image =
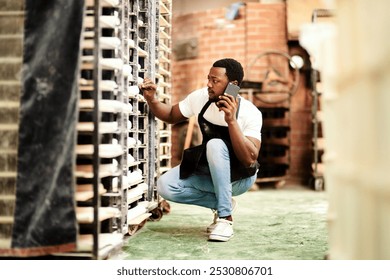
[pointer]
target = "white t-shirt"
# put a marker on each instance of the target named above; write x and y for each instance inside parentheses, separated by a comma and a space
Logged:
(249, 116)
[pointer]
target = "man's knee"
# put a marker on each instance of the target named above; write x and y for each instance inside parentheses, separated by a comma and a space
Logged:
(166, 185)
(161, 186)
(215, 147)
(216, 144)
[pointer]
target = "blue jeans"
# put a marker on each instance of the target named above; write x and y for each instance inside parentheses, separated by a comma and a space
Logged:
(213, 191)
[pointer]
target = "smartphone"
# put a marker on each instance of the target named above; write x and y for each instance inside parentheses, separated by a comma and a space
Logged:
(232, 89)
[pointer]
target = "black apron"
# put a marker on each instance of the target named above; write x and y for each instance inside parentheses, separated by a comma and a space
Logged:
(194, 159)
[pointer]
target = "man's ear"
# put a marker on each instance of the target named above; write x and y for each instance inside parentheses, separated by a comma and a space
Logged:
(235, 82)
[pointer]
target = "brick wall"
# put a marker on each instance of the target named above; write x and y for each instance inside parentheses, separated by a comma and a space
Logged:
(259, 27)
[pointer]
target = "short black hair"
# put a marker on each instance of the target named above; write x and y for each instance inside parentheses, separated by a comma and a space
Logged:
(234, 70)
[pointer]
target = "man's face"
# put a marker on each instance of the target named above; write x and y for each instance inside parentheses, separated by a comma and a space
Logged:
(217, 82)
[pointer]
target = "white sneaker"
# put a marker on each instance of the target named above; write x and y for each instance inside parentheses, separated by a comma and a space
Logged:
(223, 230)
(214, 223)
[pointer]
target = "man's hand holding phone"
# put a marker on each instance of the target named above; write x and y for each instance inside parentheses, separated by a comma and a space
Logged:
(232, 90)
(228, 102)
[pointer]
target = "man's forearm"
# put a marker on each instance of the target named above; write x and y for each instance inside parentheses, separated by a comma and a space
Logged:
(245, 150)
(161, 110)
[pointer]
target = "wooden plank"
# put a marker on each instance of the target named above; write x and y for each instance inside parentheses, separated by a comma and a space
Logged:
(276, 122)
(138, 210)
(106, 105)
(85, 192)
(277, 141)
(6, 219)
(5, 243)
(136, 193)
(320, 143)
(84, 215)
(164, 9)
(270, 179)
(105, 150)
(108, 244)
(103, 3)
(104, 127)
(278, 160)
(139, 219)
(320, 168)
(105, 170)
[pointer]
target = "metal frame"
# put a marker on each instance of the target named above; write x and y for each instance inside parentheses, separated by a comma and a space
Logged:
(96, 135)
(318, 178)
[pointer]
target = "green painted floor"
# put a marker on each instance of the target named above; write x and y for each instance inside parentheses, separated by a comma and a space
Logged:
(270, 224)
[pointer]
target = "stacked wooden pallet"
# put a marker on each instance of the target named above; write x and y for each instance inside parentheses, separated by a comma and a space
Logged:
(11, 45)
(164, 81)
(119, 150)
(109, 91)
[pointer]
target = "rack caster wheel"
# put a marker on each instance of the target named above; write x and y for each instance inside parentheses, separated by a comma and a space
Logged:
(157, 214)
(165, 206)
(132, 229)
(317, 183)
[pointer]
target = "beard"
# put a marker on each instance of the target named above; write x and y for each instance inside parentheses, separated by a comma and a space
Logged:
(213, 98)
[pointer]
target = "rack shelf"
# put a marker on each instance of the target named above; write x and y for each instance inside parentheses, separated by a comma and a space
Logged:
(127, 170)
(120, 148)
(274, 155)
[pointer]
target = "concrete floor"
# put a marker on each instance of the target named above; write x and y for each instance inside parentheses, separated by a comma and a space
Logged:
(270, 224)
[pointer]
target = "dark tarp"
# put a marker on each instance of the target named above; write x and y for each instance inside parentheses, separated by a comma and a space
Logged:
(44, 218)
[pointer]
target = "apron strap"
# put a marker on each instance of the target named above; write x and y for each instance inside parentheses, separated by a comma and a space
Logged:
(238, 109)
(205, 107)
